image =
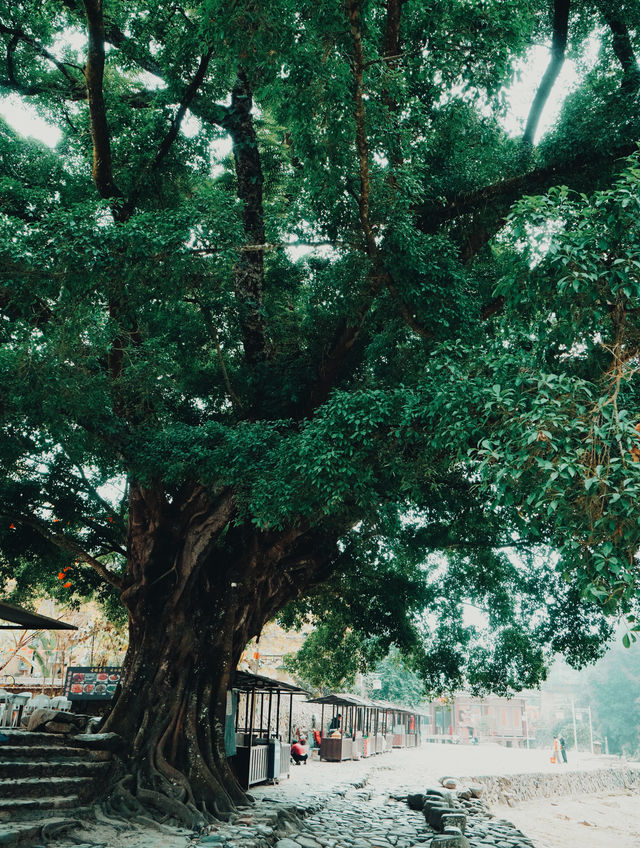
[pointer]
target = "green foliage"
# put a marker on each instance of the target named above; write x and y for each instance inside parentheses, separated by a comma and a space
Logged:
(397, 682)
(613, 690)
(567, 456)
(432, 456)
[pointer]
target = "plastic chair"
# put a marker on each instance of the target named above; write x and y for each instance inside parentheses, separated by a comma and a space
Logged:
(60, 703)
(6, 708)
(36, 702)
(14, 709)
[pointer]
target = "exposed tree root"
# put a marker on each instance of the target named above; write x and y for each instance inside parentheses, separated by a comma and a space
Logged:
(53, 830)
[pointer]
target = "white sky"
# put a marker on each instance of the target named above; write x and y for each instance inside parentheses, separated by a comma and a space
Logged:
(23, 117)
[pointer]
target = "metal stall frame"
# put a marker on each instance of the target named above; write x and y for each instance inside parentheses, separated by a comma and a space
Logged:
(261, 753)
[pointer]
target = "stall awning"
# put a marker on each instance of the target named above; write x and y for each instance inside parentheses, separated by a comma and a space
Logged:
(386, 705)
(244, 681)
(22, 619)
(342, 700)
(345, 700)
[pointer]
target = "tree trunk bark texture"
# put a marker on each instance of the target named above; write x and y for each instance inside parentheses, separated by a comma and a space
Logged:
(194, 598)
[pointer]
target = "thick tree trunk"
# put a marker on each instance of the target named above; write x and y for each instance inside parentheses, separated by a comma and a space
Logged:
(171, 708)
(195, 596)
(185, 639)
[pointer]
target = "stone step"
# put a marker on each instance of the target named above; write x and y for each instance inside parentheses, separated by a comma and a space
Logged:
(29, 788)
(19, 834)
(20, 809)
(37, 829)
(50, 767)
(51, 752)
(44, 740)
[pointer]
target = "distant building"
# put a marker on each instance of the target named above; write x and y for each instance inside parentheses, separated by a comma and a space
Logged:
(492, 719)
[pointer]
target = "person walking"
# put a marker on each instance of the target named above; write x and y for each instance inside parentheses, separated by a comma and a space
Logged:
(563, 748)
(556, 750)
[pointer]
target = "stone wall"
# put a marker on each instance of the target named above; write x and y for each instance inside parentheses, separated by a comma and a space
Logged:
(524, 787)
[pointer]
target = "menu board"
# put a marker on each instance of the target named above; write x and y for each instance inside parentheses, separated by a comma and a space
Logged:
(91, 683)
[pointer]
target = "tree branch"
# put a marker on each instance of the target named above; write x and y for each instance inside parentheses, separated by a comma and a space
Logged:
(379, 277)
(249, 269)
(213, 333)
(622, 47)
(558, 47)
(64, 543)
(94, 74)
(391, 55)
(362, 147)
(502, 195)
(18, 35)
(391, 49)
(407, 314)
(187, 98)
(14, 307)
(202, 107)
(347, 334)
(172, 134)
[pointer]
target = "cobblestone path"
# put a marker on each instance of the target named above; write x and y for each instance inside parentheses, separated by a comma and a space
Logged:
(359, 817)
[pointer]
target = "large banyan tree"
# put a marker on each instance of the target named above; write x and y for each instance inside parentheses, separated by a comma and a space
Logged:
(286, 313)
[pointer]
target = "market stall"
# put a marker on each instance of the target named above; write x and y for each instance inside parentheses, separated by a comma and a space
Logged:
(348, 727)
(402, 725)
(255, 745)
(354, 727)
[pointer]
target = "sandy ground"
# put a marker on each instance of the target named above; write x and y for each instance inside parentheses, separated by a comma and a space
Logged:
(414, 768)
(585, 821)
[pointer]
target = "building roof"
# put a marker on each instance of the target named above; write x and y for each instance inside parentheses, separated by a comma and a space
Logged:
(22, 619)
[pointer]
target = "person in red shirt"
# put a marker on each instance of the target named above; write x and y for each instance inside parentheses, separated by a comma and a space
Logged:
(298, 752)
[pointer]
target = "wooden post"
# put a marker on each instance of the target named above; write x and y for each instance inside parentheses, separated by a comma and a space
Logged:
(290, 716)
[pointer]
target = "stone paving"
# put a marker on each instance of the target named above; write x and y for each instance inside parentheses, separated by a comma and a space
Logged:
(367, 809)
(361, 818)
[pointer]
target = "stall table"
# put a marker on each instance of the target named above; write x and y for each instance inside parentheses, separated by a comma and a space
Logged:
(334, 749)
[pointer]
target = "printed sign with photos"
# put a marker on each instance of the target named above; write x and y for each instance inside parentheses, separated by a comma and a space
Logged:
(91, 683)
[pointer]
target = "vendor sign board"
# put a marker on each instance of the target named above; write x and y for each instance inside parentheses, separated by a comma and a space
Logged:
(91, 683)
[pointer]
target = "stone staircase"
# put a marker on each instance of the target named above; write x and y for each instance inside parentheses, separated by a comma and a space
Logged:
(44, 774)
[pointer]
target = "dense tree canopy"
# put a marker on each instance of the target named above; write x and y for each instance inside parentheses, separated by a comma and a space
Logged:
(328, 364)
